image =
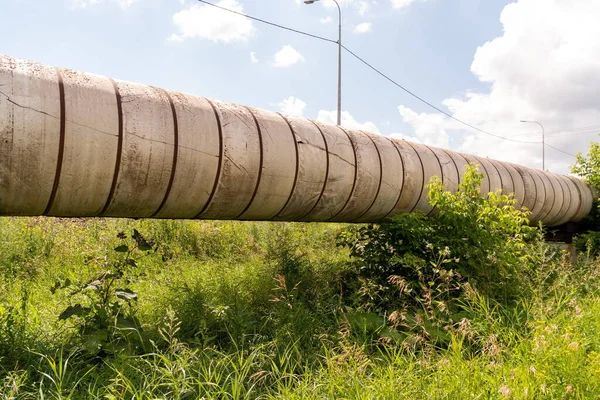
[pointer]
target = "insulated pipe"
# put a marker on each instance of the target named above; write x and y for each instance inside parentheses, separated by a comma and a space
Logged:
(74, 144)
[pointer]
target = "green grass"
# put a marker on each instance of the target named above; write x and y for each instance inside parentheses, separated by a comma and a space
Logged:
(244, 310)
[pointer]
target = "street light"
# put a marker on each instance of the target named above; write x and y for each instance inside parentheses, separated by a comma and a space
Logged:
(543, 143)
(339, 100)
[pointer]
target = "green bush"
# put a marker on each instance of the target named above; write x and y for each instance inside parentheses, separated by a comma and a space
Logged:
(415, 268)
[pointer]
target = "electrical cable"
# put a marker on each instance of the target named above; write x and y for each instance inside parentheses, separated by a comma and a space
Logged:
(270, 23)
(562, 151)
(428, 103)
(582, 128)
(377, 71)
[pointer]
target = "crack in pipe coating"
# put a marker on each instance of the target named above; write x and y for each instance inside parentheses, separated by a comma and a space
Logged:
(535, 217)
(542, 176)
(566, 193)
(297, 166)
(499, 177)
(514, 192)
(422, 176)
(403, 179)
(380, 177)
(219, 164)
(553, 184)
(355, 176)
(326, 171)
(175, 153)
(260, 162)
(455, 167)
(441, 178)
(113, 186)
(579, 195)
(61, 143)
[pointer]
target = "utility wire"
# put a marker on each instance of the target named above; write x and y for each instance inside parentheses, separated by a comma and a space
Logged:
(580, 132)
(428, 103)
(370, 66)
(562, 151)
(582, 128)
(270, 23)
(589, 132)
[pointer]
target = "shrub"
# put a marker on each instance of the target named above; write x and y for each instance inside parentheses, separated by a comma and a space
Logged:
(414, 268)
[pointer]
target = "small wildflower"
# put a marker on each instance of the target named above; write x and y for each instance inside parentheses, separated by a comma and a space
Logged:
(569, 389)
(532, 370)
(122, 235)
(573, 346)
(464, 328)
(505, 391)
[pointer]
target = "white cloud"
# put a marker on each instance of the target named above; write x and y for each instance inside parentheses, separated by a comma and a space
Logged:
(363, 28)
(287, 57)
(402, 4)
(253, 58)
(363, 7)
(331, 3)
(348, 121)
(360, 6)
(292, 106)
(428, 128)
(545, 67)
(88, 3)
(326, 20)
(207, 22)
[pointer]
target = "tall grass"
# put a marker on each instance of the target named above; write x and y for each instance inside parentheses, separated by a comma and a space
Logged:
(244, 310)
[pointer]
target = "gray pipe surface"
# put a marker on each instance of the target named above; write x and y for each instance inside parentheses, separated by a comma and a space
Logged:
(74, 144)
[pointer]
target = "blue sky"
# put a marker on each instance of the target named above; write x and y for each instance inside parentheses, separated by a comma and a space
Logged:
(430, 46)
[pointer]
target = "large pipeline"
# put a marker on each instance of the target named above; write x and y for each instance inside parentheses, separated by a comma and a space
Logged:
(74, 144)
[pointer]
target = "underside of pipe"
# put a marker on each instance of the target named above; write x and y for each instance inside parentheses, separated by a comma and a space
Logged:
(74, 144)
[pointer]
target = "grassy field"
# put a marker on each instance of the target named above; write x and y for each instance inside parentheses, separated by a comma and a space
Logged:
(244, 310)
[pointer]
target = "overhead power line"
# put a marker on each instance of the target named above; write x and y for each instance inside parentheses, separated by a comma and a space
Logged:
(411, 93)
(589, 132)
(581, 128)
(562, 151)
(270, 23)
(428, 103)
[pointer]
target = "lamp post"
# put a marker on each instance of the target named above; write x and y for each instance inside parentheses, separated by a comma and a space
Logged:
(543, 143)
(339, 99)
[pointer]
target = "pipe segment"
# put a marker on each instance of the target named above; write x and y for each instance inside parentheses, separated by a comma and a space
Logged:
(540, 197)
(431, 167)
(549, 203)
(493, 176)
(413, 180)
(391, 179)
(312, 169)
(74, 144)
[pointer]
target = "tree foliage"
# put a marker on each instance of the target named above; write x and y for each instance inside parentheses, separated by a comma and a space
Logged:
(589, 167)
